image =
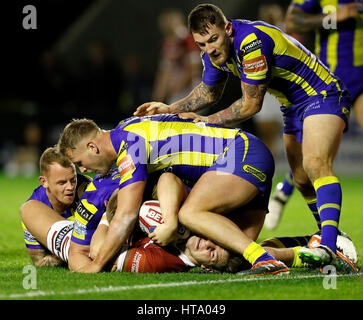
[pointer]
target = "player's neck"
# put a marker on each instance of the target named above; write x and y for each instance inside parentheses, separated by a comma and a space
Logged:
(105, 140)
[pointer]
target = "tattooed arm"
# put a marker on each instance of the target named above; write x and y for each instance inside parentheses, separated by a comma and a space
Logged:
(201, 97)
(42, 258)
(242, 109)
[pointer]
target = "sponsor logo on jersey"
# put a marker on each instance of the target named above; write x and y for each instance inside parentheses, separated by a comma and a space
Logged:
(126, 165)
(79, 228)
(255, 172)
(251, 46)
(255, 65)
(84, 213)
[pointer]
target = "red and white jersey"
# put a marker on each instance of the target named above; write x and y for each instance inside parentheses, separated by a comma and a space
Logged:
(147, 257)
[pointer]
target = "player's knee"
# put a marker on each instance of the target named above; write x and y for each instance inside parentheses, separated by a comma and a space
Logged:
(186, 216)
(302, 182)
(316, 167)
(168, 178)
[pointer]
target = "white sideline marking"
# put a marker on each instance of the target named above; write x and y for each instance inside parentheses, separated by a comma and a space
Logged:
(95, 289)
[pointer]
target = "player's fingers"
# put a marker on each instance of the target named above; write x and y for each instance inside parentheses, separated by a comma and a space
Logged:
(187, 115)
(141, 109)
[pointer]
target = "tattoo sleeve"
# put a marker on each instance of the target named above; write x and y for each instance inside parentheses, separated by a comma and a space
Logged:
(242, 109)
(201, 97)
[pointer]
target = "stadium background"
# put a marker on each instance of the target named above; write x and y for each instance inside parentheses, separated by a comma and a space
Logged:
(34, 92)
(29, 102)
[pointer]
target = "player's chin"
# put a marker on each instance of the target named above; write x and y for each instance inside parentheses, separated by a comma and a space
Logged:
(220, 60)
(68, 198)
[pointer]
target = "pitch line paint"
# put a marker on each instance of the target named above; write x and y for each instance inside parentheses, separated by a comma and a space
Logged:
(95, 289)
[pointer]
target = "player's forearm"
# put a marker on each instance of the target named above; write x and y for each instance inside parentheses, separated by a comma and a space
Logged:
(201, 97)
(234, 114)
(299, 21)
(119, 230)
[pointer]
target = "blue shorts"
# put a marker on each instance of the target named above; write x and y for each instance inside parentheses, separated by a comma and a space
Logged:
(352, 79)
(336, 103)
(248, 157)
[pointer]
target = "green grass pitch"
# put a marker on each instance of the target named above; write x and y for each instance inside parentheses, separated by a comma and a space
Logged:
(60, 284)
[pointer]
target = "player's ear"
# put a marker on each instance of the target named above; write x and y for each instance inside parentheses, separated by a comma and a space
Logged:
(229, 29)
(91, 146)
(43, 181)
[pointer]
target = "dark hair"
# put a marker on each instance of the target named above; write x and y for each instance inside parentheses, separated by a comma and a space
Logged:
(205, 15)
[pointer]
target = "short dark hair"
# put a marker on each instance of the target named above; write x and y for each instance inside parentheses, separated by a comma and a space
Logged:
(205, 15)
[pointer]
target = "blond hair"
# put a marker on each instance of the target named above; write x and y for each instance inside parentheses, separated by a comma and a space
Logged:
(52, 155)
(74, 132)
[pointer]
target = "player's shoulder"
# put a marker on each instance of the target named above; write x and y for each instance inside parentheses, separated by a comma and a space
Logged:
(250, 35)
(125, 122)
(108, 180)
(40, 194)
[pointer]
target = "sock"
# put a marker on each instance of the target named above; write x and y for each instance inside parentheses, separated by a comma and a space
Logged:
(329, 200)
(288, 184)
(289, 242)
(297, 261)
(254, 253)
(311, 202)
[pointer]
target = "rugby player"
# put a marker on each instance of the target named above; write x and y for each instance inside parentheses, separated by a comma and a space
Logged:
(340, 48)
(315, 105)
(231, 169)
(142, 255)
(47, 216)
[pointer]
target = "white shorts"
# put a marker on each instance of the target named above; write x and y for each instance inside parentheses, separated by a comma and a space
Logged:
(59, 238)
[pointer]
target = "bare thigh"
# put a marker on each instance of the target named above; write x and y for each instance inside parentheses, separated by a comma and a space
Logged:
(220, 192)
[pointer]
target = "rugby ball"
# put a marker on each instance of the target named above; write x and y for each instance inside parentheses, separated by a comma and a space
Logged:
(150, 217)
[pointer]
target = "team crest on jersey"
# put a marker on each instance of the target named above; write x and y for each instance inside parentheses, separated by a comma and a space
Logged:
(255, 65)
(255, 172)
(251, 46)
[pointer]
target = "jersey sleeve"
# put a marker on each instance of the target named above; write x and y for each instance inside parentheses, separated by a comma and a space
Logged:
(30, 241)
(255, 55)
(132, 160)
(310, 6)
(212, 74)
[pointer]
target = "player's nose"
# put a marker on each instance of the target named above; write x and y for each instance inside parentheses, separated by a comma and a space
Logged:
(209, 49)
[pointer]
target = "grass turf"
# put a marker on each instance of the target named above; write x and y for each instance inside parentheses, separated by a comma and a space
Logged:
(60, 284)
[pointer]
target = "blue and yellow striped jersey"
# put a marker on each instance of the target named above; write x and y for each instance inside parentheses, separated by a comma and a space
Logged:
(40, 194)
(165, 142)
(338, 46)
(263, 53)
(92, 205)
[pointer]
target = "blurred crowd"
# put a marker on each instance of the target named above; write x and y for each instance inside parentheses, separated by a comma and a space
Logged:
(106, 90)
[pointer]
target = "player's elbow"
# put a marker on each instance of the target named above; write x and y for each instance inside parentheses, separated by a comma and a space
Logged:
(251, 107)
